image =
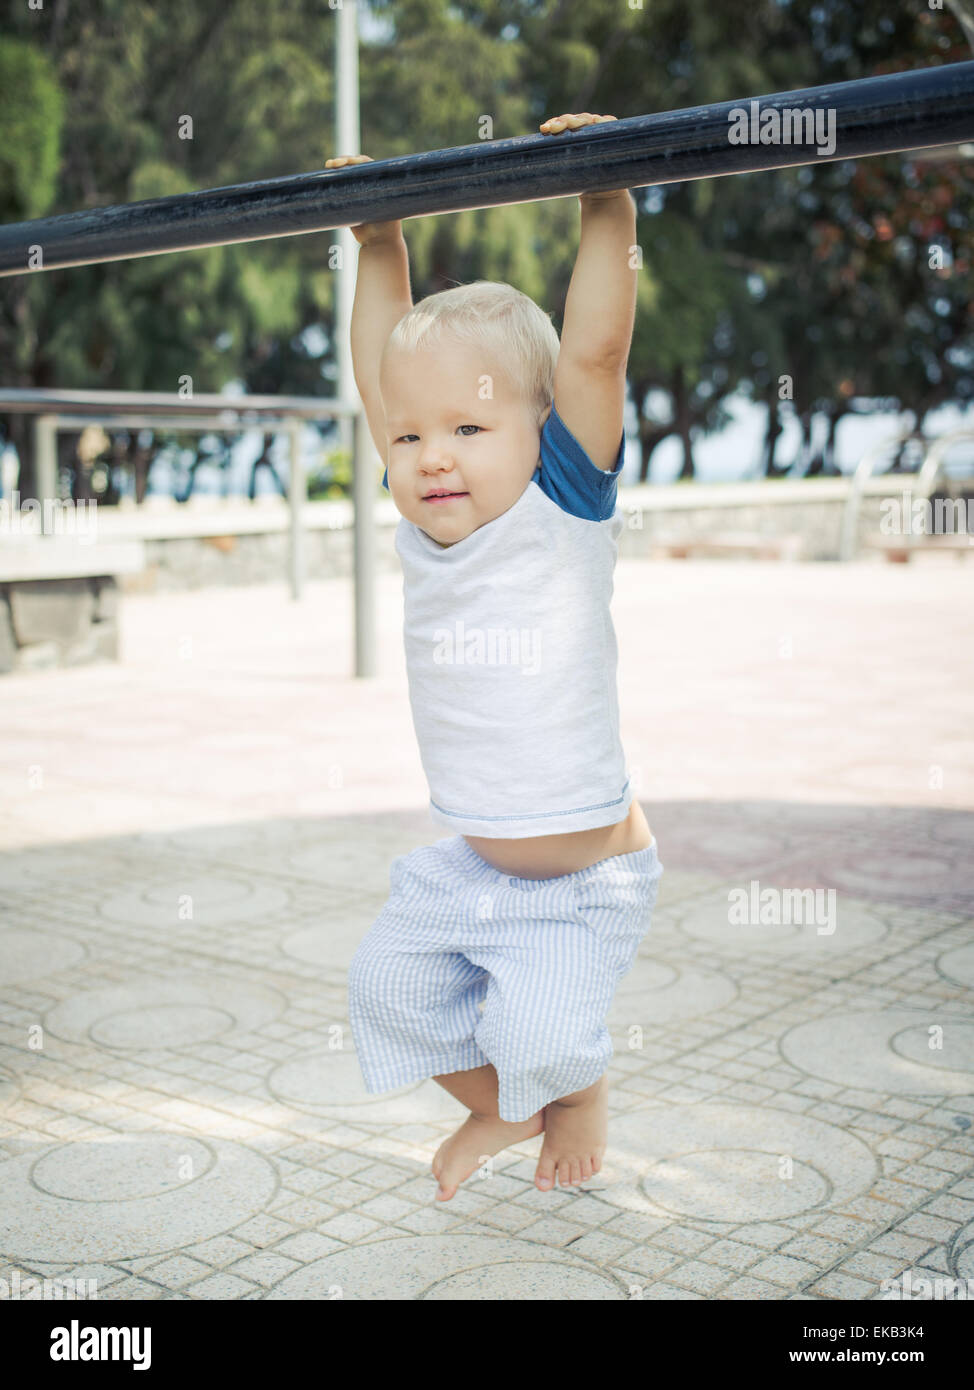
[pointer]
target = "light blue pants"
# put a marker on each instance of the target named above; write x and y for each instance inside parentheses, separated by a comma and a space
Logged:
(465, 966)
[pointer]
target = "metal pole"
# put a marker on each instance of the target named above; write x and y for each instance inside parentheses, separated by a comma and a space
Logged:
(297, 495)
(45, 464)
(347, 138)
(363, 505)
(872, 115)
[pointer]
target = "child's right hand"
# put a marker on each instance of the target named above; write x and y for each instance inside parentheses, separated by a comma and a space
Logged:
(366, 231)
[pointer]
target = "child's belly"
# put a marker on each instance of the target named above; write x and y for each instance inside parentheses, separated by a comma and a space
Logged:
(548, 856)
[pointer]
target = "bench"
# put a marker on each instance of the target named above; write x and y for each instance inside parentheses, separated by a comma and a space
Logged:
(898, 549)
(59, 599)
(780, 547)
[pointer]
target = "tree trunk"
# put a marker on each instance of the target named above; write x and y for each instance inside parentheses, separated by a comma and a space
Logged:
(773, 433)
(681, 405)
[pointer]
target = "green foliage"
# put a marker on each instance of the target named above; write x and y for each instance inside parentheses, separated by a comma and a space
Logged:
(821, 274)
(31, 116)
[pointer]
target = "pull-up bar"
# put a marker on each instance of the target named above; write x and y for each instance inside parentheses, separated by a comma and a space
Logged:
(873, 115)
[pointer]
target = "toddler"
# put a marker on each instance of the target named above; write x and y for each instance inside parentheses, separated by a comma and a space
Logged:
(493, 964)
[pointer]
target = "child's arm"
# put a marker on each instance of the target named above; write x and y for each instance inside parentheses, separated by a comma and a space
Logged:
(382, 296)
(600, 312)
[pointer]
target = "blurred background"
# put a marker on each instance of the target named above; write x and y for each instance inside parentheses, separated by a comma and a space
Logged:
(850, 279)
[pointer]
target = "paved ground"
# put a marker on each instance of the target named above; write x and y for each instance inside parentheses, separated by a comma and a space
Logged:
(195, 840)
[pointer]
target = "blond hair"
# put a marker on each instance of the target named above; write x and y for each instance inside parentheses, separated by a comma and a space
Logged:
(498, 319)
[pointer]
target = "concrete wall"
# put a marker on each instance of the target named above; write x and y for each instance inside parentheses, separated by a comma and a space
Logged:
(176, 558)
(67, 620)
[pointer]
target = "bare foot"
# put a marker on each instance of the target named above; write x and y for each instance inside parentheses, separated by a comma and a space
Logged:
(575, 1135)
(477, 1139)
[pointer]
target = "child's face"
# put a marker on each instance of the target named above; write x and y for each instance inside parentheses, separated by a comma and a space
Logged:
(443, 436)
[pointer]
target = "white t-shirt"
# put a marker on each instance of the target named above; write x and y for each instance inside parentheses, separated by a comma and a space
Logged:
(511, 656)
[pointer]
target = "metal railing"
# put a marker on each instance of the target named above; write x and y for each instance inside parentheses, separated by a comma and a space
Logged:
(54, 409)
(848, 543)
(922, 482)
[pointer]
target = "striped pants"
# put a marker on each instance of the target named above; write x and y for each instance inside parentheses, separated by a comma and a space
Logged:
(465, 966)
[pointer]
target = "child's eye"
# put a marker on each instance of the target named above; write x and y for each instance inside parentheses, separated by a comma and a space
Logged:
(469, 427)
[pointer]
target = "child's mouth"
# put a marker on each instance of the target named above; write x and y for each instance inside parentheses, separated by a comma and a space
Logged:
(446, 497)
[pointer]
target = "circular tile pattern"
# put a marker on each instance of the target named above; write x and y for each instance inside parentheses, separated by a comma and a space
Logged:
(728, 1163)
(160, 1025)
(216, 901)
(856, 1048)
(954, 1049)
(653, 994)
(128, 1196)
(331, 943)
(718, 1184)
(449, 1267)
(30, 955)
(330, 1083)
(954, 827)
(708, 920)
(165, 1011)
(346, 863)
(958, 965)
(717, 842)
(140, 1167)
(881, 876)
(961, 1254)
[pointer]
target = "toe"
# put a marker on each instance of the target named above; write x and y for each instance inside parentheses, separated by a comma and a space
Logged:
(576, 1172)
(544, 1176)
(586, 1168)
(444, 1193)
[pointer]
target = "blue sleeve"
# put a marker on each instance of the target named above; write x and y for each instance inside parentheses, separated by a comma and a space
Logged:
(568, 476)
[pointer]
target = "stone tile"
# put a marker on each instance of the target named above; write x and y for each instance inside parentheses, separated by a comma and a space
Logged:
(177, 1271)
(667, 1292)
(733, 1254)
(220, 1286)
(837, 1285)
(265, 1268)
(550, 1230)
(348, 1227)
(766, 1235)
(699, 1277)
(783, 1269)
(748, 1288)
(306, 1247)
(922, 1224)
(220, 1251)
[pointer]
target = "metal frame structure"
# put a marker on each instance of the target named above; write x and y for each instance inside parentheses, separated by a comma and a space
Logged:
(922, 482)
(924, 109)
(54, 409)
(873, 115)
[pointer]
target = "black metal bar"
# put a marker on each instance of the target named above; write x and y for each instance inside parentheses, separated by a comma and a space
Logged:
(873, 115)
(48, 401)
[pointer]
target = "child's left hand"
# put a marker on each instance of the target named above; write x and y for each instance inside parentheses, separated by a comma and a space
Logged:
(574, 121)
